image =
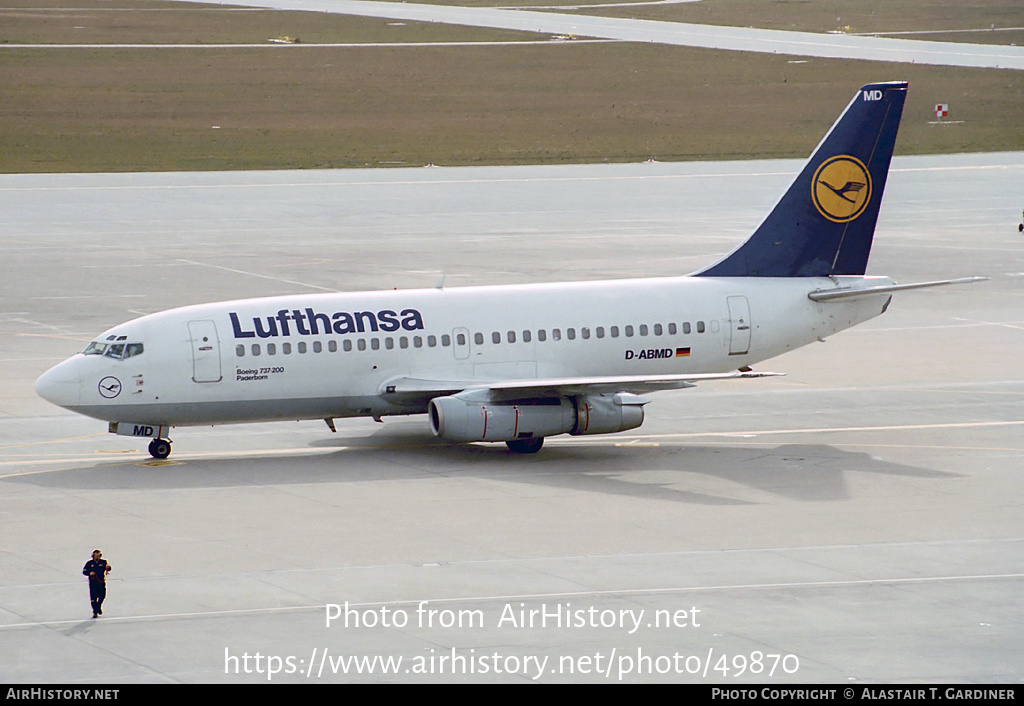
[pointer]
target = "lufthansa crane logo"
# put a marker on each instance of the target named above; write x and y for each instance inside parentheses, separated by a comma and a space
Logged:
(841, 188)
(110, 387)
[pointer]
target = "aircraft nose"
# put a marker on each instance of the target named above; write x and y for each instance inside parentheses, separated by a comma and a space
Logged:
(61, 385)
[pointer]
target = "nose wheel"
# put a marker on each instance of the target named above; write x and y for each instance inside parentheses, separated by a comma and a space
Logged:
(160, 448)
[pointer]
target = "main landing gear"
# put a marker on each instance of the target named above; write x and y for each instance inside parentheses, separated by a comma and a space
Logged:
(525, 446)
(160, 448)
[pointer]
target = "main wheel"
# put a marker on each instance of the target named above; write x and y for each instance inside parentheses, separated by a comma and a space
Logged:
(159, 448)
(525, 446)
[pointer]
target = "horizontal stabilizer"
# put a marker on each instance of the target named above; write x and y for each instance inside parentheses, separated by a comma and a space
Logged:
(853, 292)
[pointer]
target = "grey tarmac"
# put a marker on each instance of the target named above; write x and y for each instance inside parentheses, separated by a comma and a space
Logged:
(857, 520)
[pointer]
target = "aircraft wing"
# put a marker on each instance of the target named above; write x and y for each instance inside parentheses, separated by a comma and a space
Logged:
(413, 388)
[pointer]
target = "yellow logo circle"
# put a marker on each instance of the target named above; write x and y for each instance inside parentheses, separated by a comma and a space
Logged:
(841, 188)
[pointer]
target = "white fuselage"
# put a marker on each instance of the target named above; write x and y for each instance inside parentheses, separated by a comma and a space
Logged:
(333, 355)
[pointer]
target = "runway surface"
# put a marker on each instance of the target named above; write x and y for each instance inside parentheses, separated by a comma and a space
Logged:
(677, 33)
(855, 521)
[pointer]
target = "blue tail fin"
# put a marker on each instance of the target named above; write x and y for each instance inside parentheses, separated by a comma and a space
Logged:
(824, 223)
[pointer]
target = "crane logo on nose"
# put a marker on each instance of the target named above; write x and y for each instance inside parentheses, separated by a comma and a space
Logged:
(110, 387)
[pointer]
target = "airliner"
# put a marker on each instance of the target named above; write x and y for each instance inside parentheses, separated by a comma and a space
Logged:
(514, 364)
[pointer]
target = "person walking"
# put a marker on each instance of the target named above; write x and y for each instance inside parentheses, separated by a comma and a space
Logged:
(97, 569)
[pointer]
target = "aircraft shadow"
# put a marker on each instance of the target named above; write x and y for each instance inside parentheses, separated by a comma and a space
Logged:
(701, 474)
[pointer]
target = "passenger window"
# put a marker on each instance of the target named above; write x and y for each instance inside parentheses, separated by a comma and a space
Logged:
(256, 349)
(318, 347)
(657, 329)
(332, 346)
(542, 335)
(686, 327)
(286, 348)
(271, 349)
(417, 341)
(302, 346)
(347, 345)
(403, 341)
(478, 338)
(570, 333)
(239, 351)
(629, 332)
(600, 331)
(585, 332)
(495, 337)
(511, 336)
(672, 329)
(361, 344)
(556, 334)
(460, 339)
(615, 331)
(526, 337)
(432, 341)
(375, 344)
(389, 343)
(643, 329)
(700, 327)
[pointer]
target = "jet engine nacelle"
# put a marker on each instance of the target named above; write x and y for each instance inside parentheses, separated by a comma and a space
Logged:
(607, 414)
(464, 418)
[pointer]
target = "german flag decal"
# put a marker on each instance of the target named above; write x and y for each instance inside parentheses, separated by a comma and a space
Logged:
(682, 352)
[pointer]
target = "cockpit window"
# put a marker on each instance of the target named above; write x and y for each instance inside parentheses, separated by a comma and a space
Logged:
(118, 351)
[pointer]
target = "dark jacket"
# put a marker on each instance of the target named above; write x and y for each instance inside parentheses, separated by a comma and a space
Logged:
(99, 567)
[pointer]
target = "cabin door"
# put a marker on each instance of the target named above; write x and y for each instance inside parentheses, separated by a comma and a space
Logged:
(205, 351)
(739, 317)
